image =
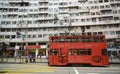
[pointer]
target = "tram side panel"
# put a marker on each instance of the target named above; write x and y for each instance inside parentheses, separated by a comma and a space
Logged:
(78, 54)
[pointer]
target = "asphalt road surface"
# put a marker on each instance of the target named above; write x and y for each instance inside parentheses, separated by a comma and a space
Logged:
(43, 68)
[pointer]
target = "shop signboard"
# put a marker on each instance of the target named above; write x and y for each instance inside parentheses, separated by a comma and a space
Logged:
(32, 47)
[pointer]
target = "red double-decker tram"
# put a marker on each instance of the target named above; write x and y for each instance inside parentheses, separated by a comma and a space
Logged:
(64, 50)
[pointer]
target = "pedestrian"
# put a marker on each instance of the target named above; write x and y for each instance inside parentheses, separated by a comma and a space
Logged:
(119, 57)
(33, 58)
(37, 55)
(30, 58)
(40, 55)
(111, 57)
(26, 60)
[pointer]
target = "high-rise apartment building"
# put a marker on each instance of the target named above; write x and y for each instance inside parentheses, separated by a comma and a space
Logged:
(29, 23)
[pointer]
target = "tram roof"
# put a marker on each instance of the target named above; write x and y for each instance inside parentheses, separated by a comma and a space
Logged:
(74, 36)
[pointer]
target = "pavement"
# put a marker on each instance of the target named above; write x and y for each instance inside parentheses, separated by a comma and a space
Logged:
(22, 60)
(43, 60)
(114, 61)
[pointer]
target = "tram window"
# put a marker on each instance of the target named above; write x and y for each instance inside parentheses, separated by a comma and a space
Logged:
(91, 39)
(74, 39)
(89, 52)
(52, 40)
(102, 39)
(75, 52)
(82, 39)
(62, 39)
(86, 39)
(55, 52)
(70, 52)
(82, 52)
(68, 40)
(50, 52)
(96, 39)
(55, 40)
(104, 51)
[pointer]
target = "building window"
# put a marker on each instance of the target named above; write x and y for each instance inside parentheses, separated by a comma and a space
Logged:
(44, 35)
(18, 36)
(88, 20)
(87, 27)
(101, 6)
(42, 43)
(50, 4)
(107, 6)
(94, 33)
(34, 36)
(105, 0)
(82, 20)
(115, 11)
(112, 32)
(111, 0)
(105, 33)
(116, 18)
(7, 36)
(117, 32)
(40, 36)
(100, 33)
(116, 25)
(100, 1)
(2, 30)
(92, 13)
(89, 33)
(110, 26)
(14, 22)
(93, 19)
(29, 29)
(29, 36)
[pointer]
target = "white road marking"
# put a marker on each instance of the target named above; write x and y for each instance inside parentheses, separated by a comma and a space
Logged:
(76, 70)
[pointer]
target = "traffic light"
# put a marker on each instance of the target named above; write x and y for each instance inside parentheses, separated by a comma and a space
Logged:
(4, 46)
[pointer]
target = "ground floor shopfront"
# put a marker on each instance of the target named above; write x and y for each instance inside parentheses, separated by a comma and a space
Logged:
(38, 53)
(114, 53)
(39, 50)
(9, 52)
(32, 50)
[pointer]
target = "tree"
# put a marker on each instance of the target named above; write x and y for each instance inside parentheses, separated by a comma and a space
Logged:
(4, 47)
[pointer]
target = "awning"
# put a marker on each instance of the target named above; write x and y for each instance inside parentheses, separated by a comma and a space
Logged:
(10, 48)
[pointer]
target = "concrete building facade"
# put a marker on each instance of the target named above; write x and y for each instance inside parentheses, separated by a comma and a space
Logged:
(31, 22)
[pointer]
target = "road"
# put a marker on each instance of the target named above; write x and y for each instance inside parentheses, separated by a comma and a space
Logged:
(43, 68)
